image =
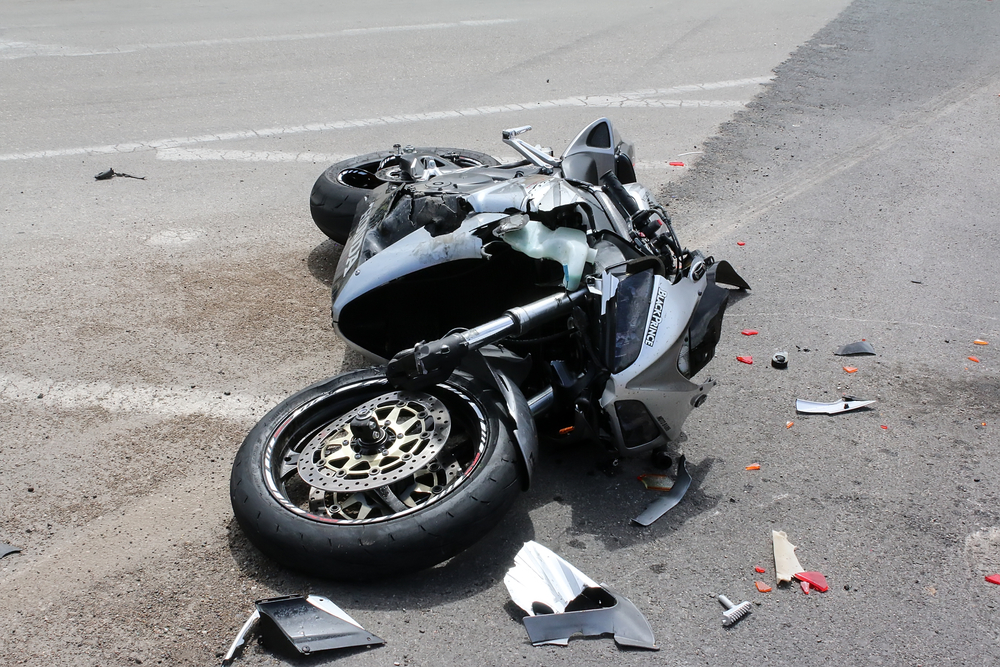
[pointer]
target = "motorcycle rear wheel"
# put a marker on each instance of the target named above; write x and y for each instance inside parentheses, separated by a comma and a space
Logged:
(339, 189)
(446, 472)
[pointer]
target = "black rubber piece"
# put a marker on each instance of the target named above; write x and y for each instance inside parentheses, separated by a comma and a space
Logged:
(421, 539)
(343, 185)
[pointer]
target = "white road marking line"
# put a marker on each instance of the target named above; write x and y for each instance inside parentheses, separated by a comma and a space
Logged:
(199, 154)
(629, 99)
(10, 50)
(167, 401)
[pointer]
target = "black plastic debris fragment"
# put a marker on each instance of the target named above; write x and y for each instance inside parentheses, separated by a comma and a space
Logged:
(663, 504)
(562, 601)
(780, 360)
(6, 550)
(851, 349)
(310, 624)
(847, 404)
(111, 173)
(594, 612)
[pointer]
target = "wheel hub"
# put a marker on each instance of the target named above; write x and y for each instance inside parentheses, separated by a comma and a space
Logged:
(377, 443)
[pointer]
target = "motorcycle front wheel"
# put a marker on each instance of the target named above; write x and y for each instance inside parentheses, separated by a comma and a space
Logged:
(352, 479)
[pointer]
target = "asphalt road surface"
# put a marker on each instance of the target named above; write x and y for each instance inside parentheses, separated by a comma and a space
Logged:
(146, 324)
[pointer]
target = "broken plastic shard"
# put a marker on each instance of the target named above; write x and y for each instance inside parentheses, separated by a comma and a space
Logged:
(811, 407)
(676, 164)
(6, 550)
(814, 579)
(310, 624)
(749, 332)
(980, 342)
(656, 482)
(850, 369)
(789, 424)
(760, 570)
(805, 587)
(745, 359)
(753, 466)
(741, 243)
(993, 578)
(562, 601)
(762, 587)
(975, 359)
(861, 347)
(661, 506)
(786, 565)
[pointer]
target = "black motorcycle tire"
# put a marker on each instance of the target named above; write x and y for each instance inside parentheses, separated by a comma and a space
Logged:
(483, 479)
(343, 185)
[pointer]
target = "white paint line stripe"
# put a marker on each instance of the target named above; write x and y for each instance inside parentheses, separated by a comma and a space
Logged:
(168, 401)
(204, 154)
(10, 50)
(211, 154)
(632, 99)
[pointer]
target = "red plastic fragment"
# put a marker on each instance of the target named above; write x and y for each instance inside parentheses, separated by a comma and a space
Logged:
(740, 243)
(745, 360)
(884, 427)
(762, 587)
(805, 587)
(993, 578)
(814, 579)
(760, 570)
(975, 359)
(850, 369)
(753, 466)
(676, 164)
(749, 332)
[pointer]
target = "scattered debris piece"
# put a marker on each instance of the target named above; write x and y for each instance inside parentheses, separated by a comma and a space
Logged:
(846, 405)
(850, 369)
(762, 587)
(562, 601)
(111, 173)
(6, 550)
(814, 579)
(655, 482)
(789, 424)
(852, 349)
(741, 243)
(975, 359)
(733, 612)
(662, 505)
(805, 587)
(676, 164)
(753, 466)
(760, 570)
(749, 332)
(312, 623)
(780, 360)
(993, 578)
(786, 565)
(884, 427)
(980, 342)
(745, 359)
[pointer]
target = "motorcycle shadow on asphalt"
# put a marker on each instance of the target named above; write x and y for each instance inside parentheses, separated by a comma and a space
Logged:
(572, 506)
(322, 261)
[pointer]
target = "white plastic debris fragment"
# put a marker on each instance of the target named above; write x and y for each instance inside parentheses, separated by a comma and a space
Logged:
(540, 576)
(786, 564)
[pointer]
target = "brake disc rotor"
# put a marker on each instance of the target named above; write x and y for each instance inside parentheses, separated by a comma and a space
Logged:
(343, 458)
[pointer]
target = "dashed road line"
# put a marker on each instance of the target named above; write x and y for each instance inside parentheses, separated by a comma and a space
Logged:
(11, 50)
(654, 98)
(135, 398)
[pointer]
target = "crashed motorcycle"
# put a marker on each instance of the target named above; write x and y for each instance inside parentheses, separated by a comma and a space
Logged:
(544, 299)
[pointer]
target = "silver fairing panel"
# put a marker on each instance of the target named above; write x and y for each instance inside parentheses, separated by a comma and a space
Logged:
(654, 378)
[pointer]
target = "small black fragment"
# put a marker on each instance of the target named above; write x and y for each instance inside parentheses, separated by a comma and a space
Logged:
(111, 173)
(6, 550)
